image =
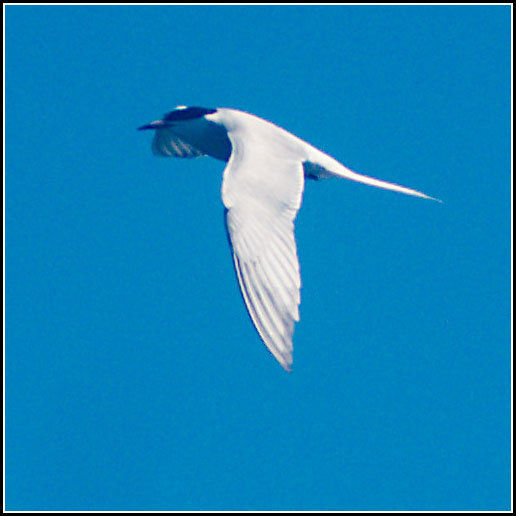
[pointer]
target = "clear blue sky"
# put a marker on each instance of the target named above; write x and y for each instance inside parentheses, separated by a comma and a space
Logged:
(134, 378)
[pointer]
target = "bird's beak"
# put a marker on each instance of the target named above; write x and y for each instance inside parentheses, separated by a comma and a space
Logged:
(153, 125)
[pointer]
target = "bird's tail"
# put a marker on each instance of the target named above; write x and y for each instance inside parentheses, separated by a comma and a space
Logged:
(326, 166)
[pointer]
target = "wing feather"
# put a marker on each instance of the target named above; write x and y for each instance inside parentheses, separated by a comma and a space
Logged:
(259, 317)
(167, 143)
(262, 195)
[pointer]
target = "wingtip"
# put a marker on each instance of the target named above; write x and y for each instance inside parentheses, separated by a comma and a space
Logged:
(286, 363)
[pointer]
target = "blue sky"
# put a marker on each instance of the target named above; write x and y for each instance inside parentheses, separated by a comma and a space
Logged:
(134, 378)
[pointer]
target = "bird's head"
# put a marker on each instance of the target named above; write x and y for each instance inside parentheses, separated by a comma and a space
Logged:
(177, 115)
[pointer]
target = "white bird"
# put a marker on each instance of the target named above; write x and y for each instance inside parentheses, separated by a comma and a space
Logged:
(261, 190)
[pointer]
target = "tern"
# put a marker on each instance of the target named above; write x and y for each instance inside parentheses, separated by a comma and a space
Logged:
(262, 187)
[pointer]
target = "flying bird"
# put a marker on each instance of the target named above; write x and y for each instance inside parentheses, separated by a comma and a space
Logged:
(262, 188)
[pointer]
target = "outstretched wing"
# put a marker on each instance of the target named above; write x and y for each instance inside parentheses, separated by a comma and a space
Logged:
(167, 143)
(262, 194)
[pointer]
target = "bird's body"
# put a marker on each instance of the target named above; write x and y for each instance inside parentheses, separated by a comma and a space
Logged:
(261, 190)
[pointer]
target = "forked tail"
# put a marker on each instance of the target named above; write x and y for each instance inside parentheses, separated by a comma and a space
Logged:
(326, 166)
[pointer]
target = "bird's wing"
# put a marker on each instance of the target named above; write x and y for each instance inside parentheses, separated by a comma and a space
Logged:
(262, 194)
(167, 143)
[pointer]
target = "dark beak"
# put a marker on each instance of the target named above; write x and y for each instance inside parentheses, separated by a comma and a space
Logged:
(153, 125)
